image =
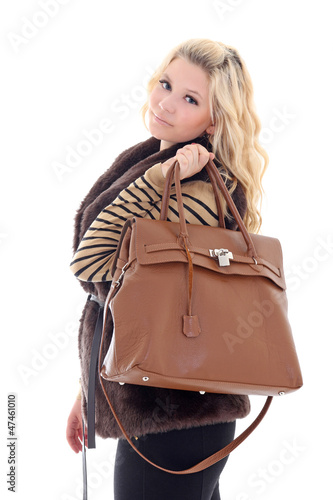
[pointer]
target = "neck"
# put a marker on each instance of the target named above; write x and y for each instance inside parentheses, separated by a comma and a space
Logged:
(166, 144)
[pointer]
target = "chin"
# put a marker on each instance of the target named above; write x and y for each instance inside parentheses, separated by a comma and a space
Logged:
(158, 134)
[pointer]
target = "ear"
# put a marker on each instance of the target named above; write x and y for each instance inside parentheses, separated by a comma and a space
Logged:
(210, 130)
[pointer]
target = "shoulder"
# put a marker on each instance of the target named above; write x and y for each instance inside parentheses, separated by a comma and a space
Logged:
(103, 192)
(102, 184)
(105, 180)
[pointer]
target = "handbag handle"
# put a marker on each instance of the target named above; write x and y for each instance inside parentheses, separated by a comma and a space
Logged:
(167, 189)
(217, 184)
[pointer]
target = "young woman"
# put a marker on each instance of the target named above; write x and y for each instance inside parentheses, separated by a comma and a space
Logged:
(200, 106)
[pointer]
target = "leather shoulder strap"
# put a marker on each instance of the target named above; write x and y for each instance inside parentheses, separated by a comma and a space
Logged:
(212, 459)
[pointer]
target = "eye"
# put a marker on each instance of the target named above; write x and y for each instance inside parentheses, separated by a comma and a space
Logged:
(191, 100)
(165, 84)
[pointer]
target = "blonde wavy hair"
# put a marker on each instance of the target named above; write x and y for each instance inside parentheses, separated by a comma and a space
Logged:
(235, 140)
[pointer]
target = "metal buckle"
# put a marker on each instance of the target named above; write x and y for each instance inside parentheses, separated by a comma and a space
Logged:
(118, 281)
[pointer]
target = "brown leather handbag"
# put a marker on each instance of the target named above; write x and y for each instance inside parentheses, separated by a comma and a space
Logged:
(199, 308)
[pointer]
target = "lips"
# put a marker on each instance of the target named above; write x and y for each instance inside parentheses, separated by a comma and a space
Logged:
(160, 120)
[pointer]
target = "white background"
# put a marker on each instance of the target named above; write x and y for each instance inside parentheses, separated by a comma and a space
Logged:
(62, 73)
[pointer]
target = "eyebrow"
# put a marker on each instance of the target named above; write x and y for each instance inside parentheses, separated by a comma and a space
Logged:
(187, 90)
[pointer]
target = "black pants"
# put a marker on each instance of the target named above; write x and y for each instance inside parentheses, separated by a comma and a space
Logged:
(135, 479)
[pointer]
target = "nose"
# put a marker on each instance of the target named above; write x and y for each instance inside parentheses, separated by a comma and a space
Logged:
(167, 104)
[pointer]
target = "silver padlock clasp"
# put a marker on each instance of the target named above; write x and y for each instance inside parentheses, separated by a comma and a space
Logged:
(222, 255)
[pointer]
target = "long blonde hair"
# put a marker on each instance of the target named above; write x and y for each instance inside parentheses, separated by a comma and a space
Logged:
(235, 140)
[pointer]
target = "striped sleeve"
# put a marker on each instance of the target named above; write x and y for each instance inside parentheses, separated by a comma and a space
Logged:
(94, 256)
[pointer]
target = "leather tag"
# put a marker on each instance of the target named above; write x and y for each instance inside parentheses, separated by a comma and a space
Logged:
(191, 327)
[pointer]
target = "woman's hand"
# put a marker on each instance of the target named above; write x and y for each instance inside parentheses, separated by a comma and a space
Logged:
(192, 158)
(74, 427)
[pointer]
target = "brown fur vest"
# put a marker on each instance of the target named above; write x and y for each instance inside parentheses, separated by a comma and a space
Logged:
(142, 410)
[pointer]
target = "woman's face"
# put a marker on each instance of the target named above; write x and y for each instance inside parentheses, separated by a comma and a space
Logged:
(179, 105)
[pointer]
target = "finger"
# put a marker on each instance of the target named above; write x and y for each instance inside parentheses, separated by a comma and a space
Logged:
(193, 148)
(190, 154)
(194, 151)
(74, 434)
(185, 153)
(202, 150)
(188, 161)
(183, 161)
(74, 442)
(204, 156)
(200, 155)
(166, 165)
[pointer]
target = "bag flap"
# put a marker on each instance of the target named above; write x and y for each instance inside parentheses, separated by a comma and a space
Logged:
(158, 242)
